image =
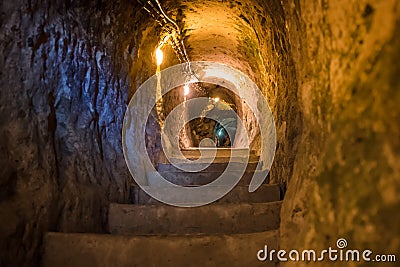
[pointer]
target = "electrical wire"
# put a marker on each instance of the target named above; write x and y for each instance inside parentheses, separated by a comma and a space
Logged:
(171, 27)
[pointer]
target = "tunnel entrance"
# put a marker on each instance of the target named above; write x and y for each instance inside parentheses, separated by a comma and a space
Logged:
(210, 129)
(225, 96)
(176, 102)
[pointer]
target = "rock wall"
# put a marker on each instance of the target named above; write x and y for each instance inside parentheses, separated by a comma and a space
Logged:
(64, 90)
(345, 182)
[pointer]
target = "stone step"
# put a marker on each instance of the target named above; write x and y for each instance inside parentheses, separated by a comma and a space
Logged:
(239, 194)
(213, 167)
(199, 178)
(195, 152)
(209, 219)
(82, 250)
(220, 159)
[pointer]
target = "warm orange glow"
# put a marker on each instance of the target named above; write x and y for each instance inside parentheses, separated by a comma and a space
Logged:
(186, 90)
(159, 56)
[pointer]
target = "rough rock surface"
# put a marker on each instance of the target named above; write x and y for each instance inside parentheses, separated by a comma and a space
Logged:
(346, 174)
(64, 89)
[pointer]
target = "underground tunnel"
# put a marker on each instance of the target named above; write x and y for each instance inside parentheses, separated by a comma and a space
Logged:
(327, 69)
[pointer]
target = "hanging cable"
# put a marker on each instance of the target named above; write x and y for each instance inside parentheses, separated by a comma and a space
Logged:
(171, 27)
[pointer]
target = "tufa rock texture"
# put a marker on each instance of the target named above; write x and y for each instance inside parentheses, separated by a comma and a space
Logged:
(345, 182)
(64, 89)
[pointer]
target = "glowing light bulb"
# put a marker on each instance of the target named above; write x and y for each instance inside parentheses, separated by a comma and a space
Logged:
(186, 90)
(159, 56)
(216, 99)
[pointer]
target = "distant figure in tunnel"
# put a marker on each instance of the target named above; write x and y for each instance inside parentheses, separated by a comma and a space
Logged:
(222, 130)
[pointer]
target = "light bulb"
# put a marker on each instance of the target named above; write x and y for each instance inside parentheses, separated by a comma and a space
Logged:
(159, 56)
(216, 99)
(186, 90)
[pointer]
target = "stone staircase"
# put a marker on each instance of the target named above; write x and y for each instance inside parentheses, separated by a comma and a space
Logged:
(147, 233)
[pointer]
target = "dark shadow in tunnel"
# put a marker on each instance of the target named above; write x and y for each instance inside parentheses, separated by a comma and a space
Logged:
(220, 122)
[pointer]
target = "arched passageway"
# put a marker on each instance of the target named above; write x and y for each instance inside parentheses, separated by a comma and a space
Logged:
(329, 71)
